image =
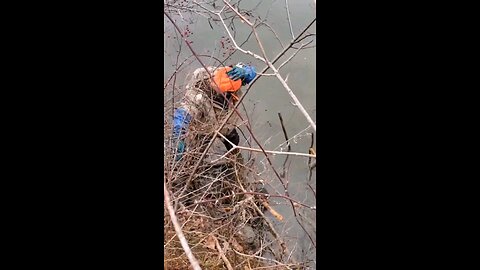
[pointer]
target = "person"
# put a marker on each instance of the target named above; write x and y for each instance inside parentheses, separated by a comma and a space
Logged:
(209, 97)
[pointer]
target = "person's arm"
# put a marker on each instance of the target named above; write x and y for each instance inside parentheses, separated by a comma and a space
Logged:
(244, 72)
(181, 122)
(189, 109)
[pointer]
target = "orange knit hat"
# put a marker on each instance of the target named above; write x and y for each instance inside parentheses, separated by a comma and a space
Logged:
(225, 84)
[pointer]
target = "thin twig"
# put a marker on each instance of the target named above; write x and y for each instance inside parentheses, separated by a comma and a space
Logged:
(293, 55)
(289, 21)
(286, 140)
(284, 51)
(225, 260)
(310, 160)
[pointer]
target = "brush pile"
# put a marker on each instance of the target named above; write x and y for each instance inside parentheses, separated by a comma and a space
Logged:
(220, 204)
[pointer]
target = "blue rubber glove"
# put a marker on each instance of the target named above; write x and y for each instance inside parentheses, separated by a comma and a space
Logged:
(180, 150)
(244, 72)
(181, 121)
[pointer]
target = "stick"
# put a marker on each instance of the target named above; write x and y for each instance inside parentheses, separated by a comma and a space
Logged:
(288, 144)
(310, 160)
(272, 211)
(225, 260)
(178, 230)
(289, 21)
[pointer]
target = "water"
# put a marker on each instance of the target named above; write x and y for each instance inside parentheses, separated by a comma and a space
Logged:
(267, 97)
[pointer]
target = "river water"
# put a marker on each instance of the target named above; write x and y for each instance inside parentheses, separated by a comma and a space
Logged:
(267, 98)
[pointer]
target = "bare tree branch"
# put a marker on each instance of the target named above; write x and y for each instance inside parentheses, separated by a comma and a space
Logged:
(289, 21)
(265, 60)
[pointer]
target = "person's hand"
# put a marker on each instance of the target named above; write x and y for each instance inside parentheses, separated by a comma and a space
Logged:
(180, 149)
(244, 72)
(181, 121)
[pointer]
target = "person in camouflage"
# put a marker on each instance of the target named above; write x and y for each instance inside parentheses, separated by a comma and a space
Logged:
(209, 97)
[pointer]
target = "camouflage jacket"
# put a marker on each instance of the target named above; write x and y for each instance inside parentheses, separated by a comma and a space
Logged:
(207, 107)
